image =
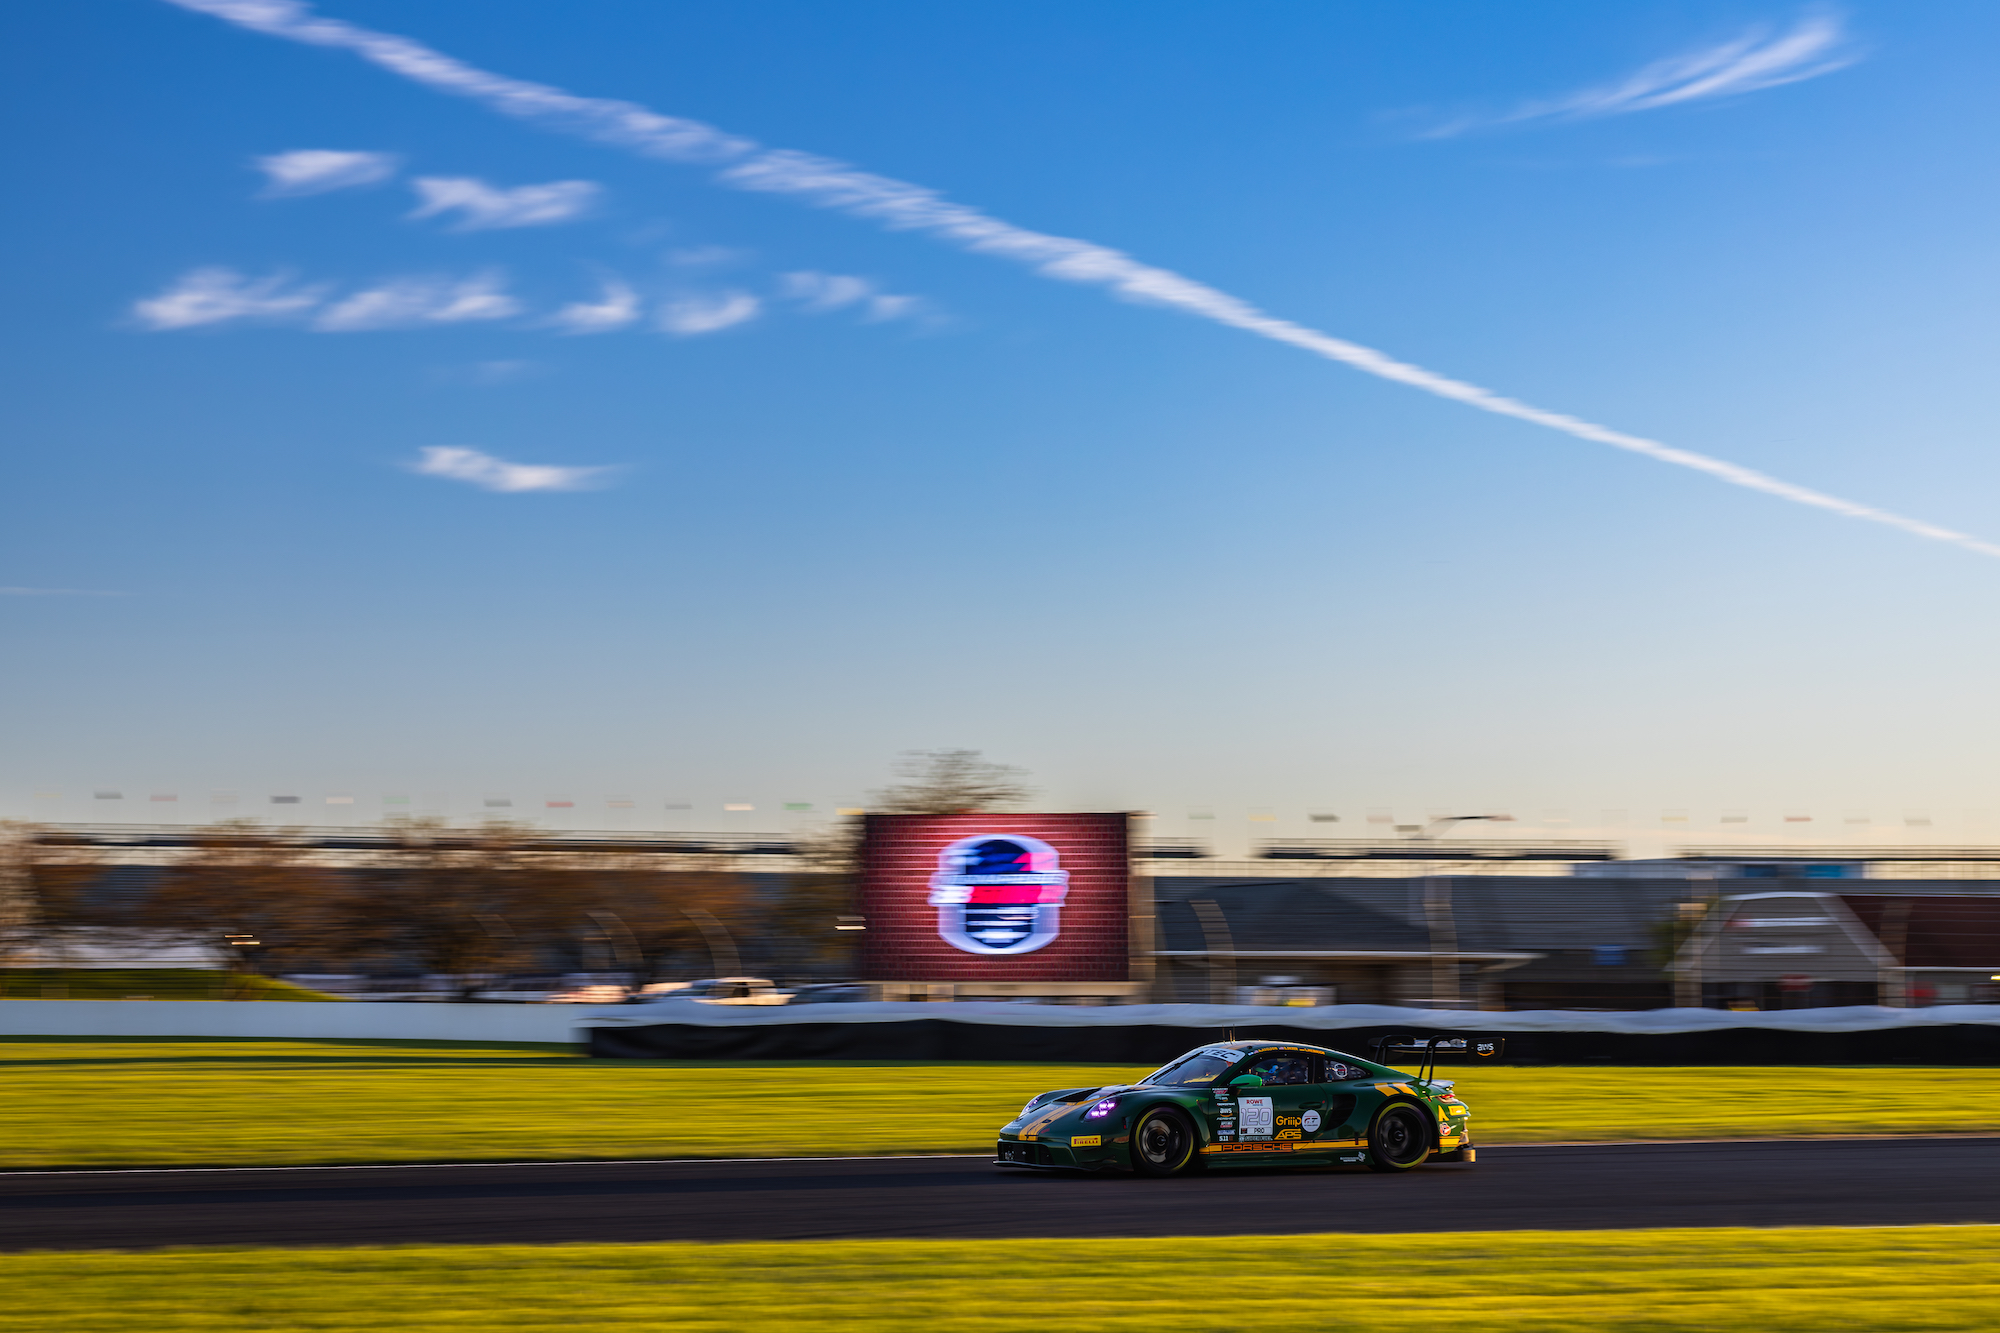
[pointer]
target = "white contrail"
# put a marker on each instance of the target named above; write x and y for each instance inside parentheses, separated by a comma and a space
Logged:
(1749, 63)
(904, 207)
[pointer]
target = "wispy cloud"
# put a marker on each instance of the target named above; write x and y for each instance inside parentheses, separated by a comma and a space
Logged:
(483, 207)
(497, 474)
(405, 303)
(692, 316)
(1755, 59)
(901, 206)
(58, 592)
(211, 296)
(317, 170)
(616, 308)
(223, 296)
(821, 293)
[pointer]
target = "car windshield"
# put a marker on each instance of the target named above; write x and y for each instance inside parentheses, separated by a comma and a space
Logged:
(1200, 1067)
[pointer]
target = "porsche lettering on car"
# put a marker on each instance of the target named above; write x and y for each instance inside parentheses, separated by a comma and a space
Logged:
(1245, 1103)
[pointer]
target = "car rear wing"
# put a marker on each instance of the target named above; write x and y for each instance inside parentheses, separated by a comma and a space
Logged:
(1432, 1047)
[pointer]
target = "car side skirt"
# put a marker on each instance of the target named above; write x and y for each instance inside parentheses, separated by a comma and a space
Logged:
(1284, 1147)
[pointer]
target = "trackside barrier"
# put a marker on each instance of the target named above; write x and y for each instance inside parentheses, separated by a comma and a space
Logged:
(1150, 1034)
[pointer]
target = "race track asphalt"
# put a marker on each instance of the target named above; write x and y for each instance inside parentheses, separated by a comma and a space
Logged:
(1842, 1182)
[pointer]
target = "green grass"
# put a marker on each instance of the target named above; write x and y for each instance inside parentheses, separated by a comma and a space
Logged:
(1725, 1280)
(180, 1102)
(229, 1102)
(1523, 1105)
(149, 983)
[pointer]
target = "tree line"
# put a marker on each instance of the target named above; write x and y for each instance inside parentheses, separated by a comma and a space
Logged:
(470, 903)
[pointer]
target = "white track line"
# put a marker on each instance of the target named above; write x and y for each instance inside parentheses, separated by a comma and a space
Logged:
(1774, 1138)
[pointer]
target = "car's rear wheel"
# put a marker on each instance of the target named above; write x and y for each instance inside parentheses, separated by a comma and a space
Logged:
(1163, 1143)
(1399, 1139)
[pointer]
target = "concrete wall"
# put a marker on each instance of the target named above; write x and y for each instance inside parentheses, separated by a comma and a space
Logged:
(300, 1021)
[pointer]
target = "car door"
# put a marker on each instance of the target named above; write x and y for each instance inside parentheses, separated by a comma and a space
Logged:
(1277, 1114)
(1331, 1108)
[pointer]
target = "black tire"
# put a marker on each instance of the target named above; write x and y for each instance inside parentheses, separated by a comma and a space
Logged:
(1399, 1139)
(1164, 1143)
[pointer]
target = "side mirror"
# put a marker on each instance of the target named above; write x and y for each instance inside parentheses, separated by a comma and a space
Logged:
(1246, 1081)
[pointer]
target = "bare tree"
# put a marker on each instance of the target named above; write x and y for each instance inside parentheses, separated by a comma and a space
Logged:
(643, 919)
(252, 893)
(952, 782)
(45, 882)
(817, 912)
(462, 903)
(19, 919)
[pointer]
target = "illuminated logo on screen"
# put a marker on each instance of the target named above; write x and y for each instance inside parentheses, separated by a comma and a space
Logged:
(999, 893)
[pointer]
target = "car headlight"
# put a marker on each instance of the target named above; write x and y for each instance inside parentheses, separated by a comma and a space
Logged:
(1102, 1109)
(1029, 1107)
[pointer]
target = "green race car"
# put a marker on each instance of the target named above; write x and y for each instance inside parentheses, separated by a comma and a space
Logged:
(1249, 1103)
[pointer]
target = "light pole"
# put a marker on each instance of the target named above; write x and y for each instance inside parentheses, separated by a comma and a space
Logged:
(240, 946)
(1445, 991)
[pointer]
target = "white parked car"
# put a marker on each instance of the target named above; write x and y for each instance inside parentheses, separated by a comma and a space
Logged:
(602, 994)
(714, 990)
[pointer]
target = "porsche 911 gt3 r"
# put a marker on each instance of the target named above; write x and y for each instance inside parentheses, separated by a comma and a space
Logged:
(1249, 1103)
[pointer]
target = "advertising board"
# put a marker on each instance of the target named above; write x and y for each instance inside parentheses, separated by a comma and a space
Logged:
(996, 898)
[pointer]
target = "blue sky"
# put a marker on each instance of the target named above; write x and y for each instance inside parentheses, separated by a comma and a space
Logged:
(805, 491)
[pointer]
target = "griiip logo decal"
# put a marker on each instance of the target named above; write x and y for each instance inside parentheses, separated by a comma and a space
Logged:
(999, 893)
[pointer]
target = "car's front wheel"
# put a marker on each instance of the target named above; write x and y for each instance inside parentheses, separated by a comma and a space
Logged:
(1399, 1139)
(1163, 1143)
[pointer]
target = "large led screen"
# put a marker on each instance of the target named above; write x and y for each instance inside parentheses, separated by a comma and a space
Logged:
(996, 897)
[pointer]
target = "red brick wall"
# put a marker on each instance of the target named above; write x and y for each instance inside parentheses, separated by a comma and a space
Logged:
(900, 855)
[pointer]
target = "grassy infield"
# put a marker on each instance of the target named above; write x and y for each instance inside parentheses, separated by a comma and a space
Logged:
(1853, 1280)
(132, 1103)
(135, 1103)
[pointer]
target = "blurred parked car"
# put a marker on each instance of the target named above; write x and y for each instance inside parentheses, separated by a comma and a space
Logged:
(714, 990)
(600, 994)
(842, 992)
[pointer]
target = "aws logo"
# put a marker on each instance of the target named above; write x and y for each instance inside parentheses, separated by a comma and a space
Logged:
(999, 893)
